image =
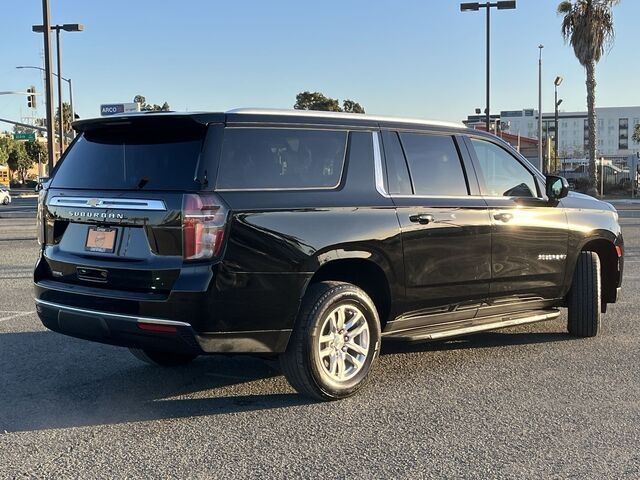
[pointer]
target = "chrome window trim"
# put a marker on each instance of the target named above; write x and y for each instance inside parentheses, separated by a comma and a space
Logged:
(108, 203)
(134, 318)
(377, 162)
(453, 197)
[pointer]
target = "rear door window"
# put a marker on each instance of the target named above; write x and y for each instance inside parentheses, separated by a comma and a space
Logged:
(434, 164)
(281, 158)
(132, 157)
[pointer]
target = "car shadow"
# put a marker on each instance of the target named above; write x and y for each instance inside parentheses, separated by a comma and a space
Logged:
(51, 381)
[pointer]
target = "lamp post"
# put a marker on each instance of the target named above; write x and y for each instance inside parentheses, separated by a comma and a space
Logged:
(68, 80)
(46, 26)
(474, 7)
(540, 161)
(67, 27)
(557, 103)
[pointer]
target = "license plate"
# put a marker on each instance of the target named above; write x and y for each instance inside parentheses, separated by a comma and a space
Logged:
(101, 240)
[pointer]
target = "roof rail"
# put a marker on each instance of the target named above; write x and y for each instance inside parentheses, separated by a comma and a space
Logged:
(342, 115)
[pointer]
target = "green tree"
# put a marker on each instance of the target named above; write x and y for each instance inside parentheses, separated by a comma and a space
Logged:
(21, 129)
(352, 107)
(66, 118)
(588, 26)
(636, 133)
(36, 151)
(147, 107)
(6, 144)
(318, 101)
(19, 161)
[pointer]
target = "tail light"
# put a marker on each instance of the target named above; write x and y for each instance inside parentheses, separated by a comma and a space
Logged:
(40, 220)
(203, 223)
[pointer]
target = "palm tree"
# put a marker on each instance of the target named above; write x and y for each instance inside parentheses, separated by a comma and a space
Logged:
(588, 26)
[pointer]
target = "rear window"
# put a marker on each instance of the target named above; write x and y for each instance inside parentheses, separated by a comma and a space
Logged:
(132, 157)
(434, 164)
(272, 158)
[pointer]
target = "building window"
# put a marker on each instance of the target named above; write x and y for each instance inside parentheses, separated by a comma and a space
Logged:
(623, 134)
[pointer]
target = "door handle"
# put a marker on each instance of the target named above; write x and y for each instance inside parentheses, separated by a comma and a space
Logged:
(423, 218)
(503, 217)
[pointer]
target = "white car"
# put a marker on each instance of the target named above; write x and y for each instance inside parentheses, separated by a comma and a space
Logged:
(5, 198)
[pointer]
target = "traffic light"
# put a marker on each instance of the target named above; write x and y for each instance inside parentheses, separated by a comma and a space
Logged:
(31, 98)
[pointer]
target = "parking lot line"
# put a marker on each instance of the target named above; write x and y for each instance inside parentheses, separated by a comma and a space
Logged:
(15, 314)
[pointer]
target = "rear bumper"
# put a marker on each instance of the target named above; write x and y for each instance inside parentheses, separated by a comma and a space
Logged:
(155, 333)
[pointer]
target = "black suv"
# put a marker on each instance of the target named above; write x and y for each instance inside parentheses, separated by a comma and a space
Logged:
(310, 236)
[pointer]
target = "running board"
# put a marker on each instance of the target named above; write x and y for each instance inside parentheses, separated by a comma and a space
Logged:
(437, 332)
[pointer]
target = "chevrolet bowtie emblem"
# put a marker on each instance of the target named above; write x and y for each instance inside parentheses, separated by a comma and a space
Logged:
(93, 202)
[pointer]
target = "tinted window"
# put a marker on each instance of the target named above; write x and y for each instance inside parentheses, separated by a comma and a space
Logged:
(434, 164)
(397, 174)
(259, 158)
(128, 157)
(504, 175)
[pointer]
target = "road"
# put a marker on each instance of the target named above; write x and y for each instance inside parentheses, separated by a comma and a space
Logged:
(526, 402)
(19, 208)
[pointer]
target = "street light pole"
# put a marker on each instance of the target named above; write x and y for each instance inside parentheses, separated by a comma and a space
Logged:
(73, 112)
(68, 27)
(475, 6)
(46, 24)
(557, 103)
(540, 160)
(60, 115)
(487, 112)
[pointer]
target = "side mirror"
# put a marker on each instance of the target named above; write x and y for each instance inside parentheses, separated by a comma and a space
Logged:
(41, 183)
(557, 187)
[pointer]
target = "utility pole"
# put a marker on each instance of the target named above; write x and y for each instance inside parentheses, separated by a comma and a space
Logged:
(46, 23)
(68, 27)
(540, 161)
(488, 93)
(60, 112)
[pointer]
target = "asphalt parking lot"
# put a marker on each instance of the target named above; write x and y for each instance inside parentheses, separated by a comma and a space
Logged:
(526, 402)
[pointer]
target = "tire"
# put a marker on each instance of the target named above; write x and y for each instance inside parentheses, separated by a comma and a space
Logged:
(5, 201)
(584, 297)
(322, 361)
(162, 359)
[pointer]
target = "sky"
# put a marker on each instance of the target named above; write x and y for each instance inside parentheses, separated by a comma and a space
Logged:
(417, 58)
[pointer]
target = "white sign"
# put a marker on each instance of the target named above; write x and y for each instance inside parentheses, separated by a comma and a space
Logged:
(115, 108)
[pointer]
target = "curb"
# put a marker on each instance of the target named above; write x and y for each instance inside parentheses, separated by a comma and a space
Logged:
(23, 195)
(623, 201)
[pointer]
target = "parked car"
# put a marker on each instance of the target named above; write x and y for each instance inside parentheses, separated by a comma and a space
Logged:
(310, 236)
(5, 197)
(25, 184)
(613, 175)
